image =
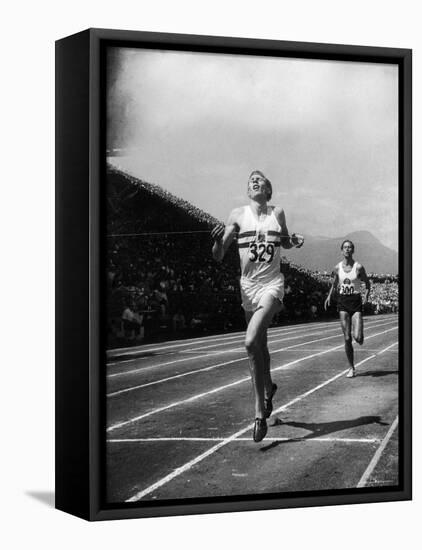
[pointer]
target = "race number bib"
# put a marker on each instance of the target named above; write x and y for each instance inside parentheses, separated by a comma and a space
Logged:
(261, 252)
(347, 287)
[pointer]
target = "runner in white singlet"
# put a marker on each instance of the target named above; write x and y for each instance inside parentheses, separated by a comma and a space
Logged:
(348, 278)
(259, 250)
(261, 230)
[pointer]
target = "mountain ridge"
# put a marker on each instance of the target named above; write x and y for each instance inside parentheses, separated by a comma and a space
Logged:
(323, 253)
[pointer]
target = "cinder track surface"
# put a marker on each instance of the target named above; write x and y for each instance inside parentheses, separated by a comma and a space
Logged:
(179, 415)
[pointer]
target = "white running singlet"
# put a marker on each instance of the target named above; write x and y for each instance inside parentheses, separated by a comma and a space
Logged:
(259, 246)
(349, 283)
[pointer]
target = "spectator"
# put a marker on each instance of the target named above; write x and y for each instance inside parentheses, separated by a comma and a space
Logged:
(179, 321)
(167, 271)
(132, 322)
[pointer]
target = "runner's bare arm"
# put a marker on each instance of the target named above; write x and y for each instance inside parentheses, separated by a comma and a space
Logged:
(287, 241)
(334, 284)
(223, 235)
(361, 272)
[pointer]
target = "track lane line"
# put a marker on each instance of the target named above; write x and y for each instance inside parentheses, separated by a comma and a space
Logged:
(201, 339)
(272, 334)
(274, 331)
(237, 334)
(378, 453)
(240, 337)
(200, 439)
(218, 365)
(224, 387)
(190, 342)
(188, 465)
(237, 350)
(222, 352)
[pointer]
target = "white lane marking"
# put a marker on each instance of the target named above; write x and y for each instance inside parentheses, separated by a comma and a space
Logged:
(188, 465)
(388, 348)
(158, 365)
(242, 338)
(238, 350)
(170, 344)
(292, 350)
(275, 337)
(200, 339)
(274, 333)
(173, 377)
(283, 407)
(240, 335)
(221, 388)
(226, 342)
(326, 347)
(211, 367)
(209, 353)
(199, 439)
(183, 359)
(377, 455)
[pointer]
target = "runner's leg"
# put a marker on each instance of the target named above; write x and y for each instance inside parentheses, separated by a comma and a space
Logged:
(256, 367)
(258, 324)
(357, 327)
(346, 327)
(268, 383)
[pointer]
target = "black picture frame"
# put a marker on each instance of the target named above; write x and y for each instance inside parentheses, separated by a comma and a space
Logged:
(80, 350)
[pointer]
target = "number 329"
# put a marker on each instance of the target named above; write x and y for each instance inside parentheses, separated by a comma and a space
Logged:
(261, 253)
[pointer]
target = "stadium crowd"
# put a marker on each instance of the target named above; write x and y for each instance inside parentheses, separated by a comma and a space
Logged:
(162, 281)
(384, 296)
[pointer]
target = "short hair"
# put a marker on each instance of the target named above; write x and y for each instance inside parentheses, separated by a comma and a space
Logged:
(347, 241)
(267, 183)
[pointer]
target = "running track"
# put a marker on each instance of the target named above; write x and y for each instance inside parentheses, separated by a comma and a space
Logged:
(179, 415)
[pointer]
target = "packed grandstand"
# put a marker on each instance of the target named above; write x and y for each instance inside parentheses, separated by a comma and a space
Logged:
(163, 283)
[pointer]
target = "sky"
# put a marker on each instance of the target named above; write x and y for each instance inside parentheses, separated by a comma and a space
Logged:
(324, 132)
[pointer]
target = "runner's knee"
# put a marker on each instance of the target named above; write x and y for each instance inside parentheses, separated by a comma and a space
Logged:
(251, 343)
(347, 337)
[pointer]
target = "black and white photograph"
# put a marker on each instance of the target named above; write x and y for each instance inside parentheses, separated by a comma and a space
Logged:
(210, 252)
(251, 262)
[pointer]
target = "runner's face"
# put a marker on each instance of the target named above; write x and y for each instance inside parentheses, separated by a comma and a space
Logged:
(257, 186)
(347, 250)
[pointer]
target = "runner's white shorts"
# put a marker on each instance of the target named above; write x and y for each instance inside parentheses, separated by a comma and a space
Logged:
(252, 292)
